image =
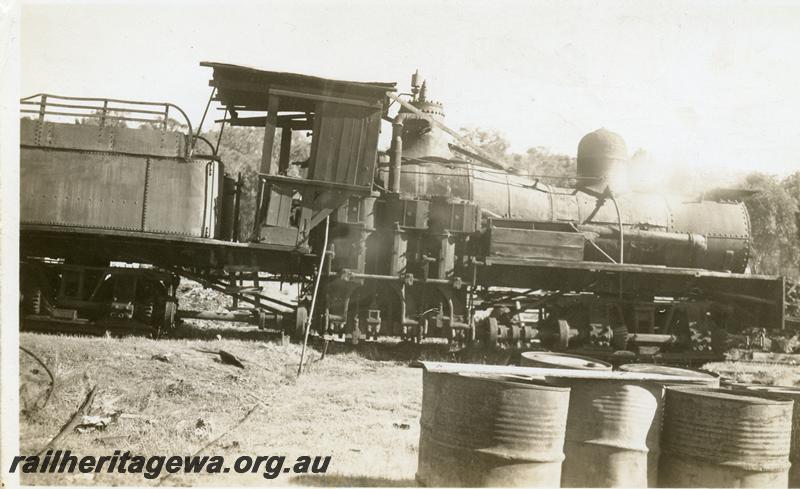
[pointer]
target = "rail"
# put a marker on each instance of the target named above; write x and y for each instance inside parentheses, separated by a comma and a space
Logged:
(105, 110)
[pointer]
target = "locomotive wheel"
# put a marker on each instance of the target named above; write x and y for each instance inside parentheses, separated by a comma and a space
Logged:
(170, 309)
(33, 302)
(301, 317)
(147, 312)
(492, 337)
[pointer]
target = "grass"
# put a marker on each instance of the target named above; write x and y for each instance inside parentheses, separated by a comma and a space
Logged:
(359, 405)
(766, 373)
(362, 412)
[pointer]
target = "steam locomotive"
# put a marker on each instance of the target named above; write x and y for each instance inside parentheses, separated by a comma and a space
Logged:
(429, 239)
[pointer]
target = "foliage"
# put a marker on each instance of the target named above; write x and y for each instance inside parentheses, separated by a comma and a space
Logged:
(537, 162)
(110, 120)
(240, 150)
(774, 222)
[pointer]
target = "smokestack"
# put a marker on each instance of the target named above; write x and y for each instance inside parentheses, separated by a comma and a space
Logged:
(421, 138)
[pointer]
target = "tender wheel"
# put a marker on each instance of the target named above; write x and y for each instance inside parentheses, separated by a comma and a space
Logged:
(166, 321)
(492, 333)
(563, 336)
(34, 302)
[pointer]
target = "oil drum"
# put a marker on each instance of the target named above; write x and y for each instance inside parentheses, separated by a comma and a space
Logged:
(717, 438)
(488, 431)
(546, 359)
(607, 431)
(778, 392)
(654, 434)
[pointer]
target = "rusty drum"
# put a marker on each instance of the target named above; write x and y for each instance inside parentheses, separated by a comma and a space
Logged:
(791, 393)
(607, 431)
(483, 431)
(654, 434)
(703, 378)
(546, 359)
(717, 438)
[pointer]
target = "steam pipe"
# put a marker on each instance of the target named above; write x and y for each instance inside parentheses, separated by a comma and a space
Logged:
(621, 230)
(396, 156)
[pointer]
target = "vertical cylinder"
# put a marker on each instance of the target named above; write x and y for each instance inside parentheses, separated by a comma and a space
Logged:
(777, 392)
(396, 157)
(447, 256)
(486, 431)
(607, 430)
(654, 434)
(399, 261)
(715, 438)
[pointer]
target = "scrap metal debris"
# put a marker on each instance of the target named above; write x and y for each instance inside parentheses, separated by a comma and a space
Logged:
(229, 359)
(91, 423)
(162, 357)
(224, 357)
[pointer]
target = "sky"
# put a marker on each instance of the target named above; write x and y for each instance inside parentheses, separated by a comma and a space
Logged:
(705, 85)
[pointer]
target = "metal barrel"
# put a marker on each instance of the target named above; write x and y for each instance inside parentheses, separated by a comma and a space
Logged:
(717, 438)
(654, 434)
(607, 431)
(489, 431)
(778, 392)
(548, 359)
(707, 379)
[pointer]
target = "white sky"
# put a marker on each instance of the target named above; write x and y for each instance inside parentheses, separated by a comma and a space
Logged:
(711, 84)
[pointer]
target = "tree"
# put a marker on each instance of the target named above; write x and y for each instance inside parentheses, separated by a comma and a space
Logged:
(536, 162)
(774, 226)
(491, 141)
(112, 119)
(240, 151)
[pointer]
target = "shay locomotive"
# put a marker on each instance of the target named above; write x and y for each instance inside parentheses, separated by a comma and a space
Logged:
(428, 239)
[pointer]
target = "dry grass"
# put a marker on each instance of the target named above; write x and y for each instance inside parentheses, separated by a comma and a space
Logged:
(347, 406)
(781, 374)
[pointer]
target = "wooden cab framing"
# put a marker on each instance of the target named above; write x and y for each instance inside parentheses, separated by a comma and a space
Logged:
(343, 119)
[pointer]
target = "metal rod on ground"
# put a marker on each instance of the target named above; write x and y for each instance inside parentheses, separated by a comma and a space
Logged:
(314, 296)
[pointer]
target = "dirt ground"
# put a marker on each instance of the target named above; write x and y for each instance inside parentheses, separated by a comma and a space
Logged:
(174, 396)
(364, 413)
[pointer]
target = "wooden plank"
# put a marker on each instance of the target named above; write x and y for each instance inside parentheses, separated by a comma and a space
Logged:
(267, 165)
(286, 146)
(331, 135)
(305, 182)
(536, 244)
(279, 206)
(358, 152)
(344, 151)
(325, 98)
(367, 161)
(469, 368)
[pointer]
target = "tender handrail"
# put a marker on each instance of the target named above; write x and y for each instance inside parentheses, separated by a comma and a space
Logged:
(202, 138)
(42, 100)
